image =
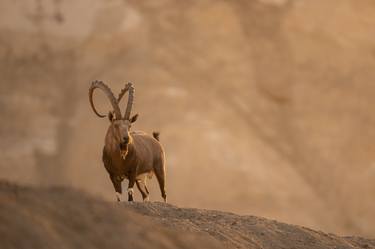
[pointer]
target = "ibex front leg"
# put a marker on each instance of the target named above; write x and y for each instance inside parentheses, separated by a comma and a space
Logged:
(132, 179)
(116, 181)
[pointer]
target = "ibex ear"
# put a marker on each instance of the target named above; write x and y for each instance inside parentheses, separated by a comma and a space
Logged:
(111, 116)
(134, 118)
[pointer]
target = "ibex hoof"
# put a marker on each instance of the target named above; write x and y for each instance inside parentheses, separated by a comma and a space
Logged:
(118, 196)
(130, 194)
(146, 199)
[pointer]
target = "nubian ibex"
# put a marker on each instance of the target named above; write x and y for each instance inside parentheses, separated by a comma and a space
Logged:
(133, 155)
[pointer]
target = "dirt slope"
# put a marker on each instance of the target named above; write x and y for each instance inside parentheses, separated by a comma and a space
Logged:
(65, 218)
(236, 231)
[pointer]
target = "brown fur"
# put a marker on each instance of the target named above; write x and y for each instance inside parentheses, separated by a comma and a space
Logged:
(144, 155)
(130, 155)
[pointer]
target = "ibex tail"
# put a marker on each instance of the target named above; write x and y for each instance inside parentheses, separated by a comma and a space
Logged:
(156, 135)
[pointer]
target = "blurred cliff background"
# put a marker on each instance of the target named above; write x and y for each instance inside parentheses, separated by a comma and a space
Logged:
(264, 107)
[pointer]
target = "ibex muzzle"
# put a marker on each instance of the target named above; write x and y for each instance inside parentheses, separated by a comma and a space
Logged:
(128, 154)
(120, 130)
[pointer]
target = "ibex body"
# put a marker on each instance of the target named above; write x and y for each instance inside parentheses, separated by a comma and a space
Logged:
(132, 155)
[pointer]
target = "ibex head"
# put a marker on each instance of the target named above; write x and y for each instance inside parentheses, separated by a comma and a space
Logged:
(118, 131)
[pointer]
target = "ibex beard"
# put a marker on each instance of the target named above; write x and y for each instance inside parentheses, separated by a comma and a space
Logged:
(128, 154)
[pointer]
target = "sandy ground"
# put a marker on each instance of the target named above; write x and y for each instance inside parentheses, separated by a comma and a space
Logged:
(66, 218)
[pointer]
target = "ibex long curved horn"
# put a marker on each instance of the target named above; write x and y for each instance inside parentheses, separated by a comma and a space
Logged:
(128, 87)
(108, 92)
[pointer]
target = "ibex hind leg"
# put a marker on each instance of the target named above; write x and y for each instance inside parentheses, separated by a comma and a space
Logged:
(144, 192)
(159, 170)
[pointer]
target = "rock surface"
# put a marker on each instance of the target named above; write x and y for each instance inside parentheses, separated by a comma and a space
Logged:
(65, 218)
